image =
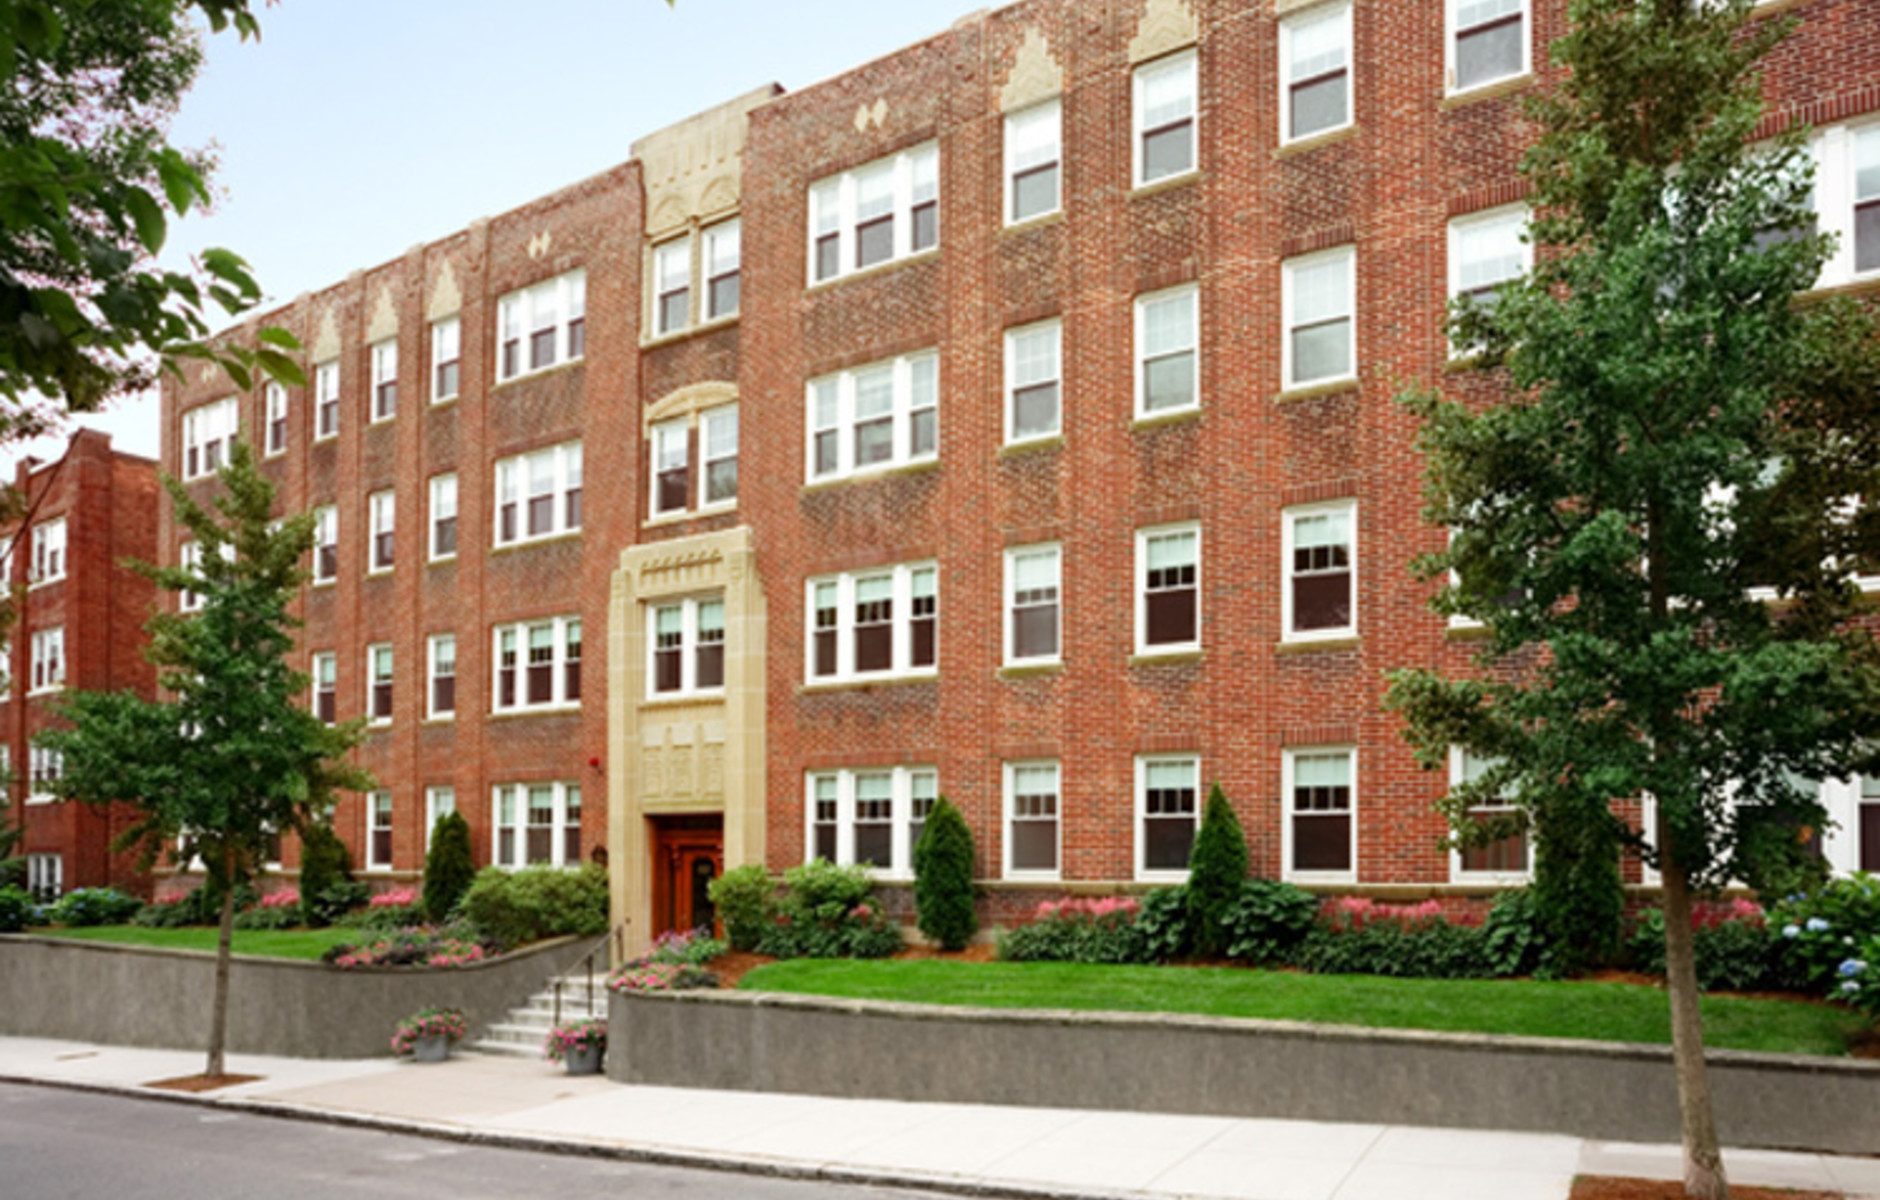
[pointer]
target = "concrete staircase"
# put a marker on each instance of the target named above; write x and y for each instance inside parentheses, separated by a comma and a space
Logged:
(520, 1034)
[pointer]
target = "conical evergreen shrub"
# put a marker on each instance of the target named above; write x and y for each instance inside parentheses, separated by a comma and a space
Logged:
(943, 878)
(1216, 865)
(448, 867)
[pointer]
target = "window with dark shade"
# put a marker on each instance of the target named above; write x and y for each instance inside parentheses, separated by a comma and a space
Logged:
(1170, 565)
(1319, 571)
(1321, 811)
(1170, 789)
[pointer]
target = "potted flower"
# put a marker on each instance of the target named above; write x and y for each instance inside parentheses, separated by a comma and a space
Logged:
(578, 1045)
(428, 1034)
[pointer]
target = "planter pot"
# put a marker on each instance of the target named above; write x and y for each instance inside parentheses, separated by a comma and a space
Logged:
(583, 1060)
(431, 1050)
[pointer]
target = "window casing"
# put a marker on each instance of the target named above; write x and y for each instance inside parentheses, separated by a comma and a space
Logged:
(383, 510)
(874, 624)
(324, 669)
(443, 516)
(208, 431)
(1165, 94)
(879, 212)
(536, 823)
(869, 815)
(48, 660)
(1168, 589)
(1033, 820)
(325, 544)
(1034, 381)
(538, 665)
(439, 802)
(1033, 605)
(441, 677)
(379, 683)
(1321, 833)
(1488, 41)
(1168, 810)
(1864, 219)
(1168, 362)
(685, 648)
(46, 767)
(538, 495)
(1505, 860)
(1315, 72)
(541, 326)
(1321, 554)
(275, 399)
(1034, 140)
(384, 380)
(45, 877)
(1319, 295)
(672, 467)
(874, 418)
(723, 257)
(379, 831)
(48, 562)
(325, 401)
(672, 285)
(1487, 252)
(446, 359)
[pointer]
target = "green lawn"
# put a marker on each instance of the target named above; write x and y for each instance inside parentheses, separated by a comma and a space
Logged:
(1615, 1012)
(292, 943)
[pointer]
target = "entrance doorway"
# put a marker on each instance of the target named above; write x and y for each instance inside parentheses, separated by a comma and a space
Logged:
(688, 853)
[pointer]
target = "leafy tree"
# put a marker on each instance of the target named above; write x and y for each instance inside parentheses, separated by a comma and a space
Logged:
(1217, 866)
(448, 866)
(943, 878)
(231, 756)
(1678, 432)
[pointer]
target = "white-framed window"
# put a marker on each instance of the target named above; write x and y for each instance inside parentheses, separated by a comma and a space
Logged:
(1168, 362)
(1034, 152)
(542, 326)
(325, 544)
(869, 815)
(440, 801)
(444, 516)
(46, 767)
(48, 659)
(440, 672)
(1866, 214)
(672, 466)
(446, 359)
(1503, 861)
(379, 830)
(208, 431)
(878, 212)
(189, 557)
(1488, 41)
(672, 285)
(1319, 295)
(1847, 199)
(1034, 381)
(536, 823)
(685, 647)
(379, 683)
(873, 624)
(48, 563)
(723, 259)
(325, 400)
(383, 510)
(1033, 605)
(875, 417)
(1315, 72)
(1168, 589)
(45, 876)
(275, 400)
(1321, 831)
(1165, 94)
(384, 380)
(1487, 251)
(1321, 556)
(1168, 810)
(538, 495)
(718, 442)
(538, 665)
(1033, 804)
(323, 668)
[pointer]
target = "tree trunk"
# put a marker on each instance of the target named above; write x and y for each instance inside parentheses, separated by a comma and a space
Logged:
(1703, 1158)
(224, 948)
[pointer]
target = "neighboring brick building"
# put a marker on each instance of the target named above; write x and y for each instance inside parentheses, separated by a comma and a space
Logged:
(80, 624)
(1010, 417)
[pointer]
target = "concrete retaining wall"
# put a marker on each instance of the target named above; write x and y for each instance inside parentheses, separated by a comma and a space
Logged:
(1204, 1065)
(135, 996)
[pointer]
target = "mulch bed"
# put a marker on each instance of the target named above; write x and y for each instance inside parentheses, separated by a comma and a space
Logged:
(201, 1083)
(1606, 1187)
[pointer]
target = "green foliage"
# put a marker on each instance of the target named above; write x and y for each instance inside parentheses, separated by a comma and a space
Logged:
(1163, 925)
(94, 906)
(17, 909)
(325, 864)
(1579, 897)
(1429, 949)
(1514, 942)
(202, 905)
(1735, 955)
(1217, 865)
(270, 919)
(693, 948)
(1267, 919)
(742, 898)
(1085, 931)
(510, 908)
(828, 911)
(1823, 929)
(383, 917)
(943, 878)
(448, 866)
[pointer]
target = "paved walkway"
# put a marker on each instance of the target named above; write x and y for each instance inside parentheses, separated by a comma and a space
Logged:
(978, 1149)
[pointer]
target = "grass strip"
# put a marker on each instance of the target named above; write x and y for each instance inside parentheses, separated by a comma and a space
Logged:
(306, 944)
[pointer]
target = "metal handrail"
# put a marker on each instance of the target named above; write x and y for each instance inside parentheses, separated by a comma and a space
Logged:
(614, 939)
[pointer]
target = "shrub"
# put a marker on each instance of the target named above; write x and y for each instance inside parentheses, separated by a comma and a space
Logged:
(587, 1033)
(695, 947)
(513, 907)
(455, 946)
(172, 912)
(1821, 930)
(335, 902)
(324, 864)
(1217, 864)
(1579, 898)
(743, 899)
(943, 878)
(1408, 942)
(447, 1023)
(1076, 930)
(277, 910)
(396, 909)
(642, 976)
(1267, 919)
(1857, 978)
(1513, 942)
(17, 909)
(448, 866)
(1162, 924)
(1734, 952)
(200, 906)
(827, 911)
(94, 906)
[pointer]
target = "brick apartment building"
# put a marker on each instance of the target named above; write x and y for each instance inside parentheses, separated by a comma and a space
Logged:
(80, 624)
(1010, 418)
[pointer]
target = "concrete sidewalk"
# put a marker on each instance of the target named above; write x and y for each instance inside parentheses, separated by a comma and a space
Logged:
(976, 1149)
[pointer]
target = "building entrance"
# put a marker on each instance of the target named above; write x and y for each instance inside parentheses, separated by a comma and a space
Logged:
(688, 853)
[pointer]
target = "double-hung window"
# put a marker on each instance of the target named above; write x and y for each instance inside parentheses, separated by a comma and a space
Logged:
(538, 495)
(1866, 214)
(1318, 294)
(672, 466)
(873, 624)
(1503, 859)
(537, 823)
(869, 815)
(538, 665)
(1315, 68)
(325, 400)
(672, 285)
(379, 683)
(446, 359)
(1488, 41)
(1487, 251)
(876, 213)
(441, 676)
(444, 516)
(685, 647)
(48, 562)
(383, 510)
(1320, 571)
(1168, 592)
(1165, 101)
(1321, 830)
(324, 668)
(208, 432)
(722, 258)
(1032, 605)
(276, 401)
(45, 877)
(542, 326)
(1168, 365)
(1033, 153)
(46, 766)
(325, 544)
(440, 801)
(48, 659)
(1168, 807)
(379, 818)
(1032, 806)
(874, 417)
(384, 380)
(1034, 381)
(718, 450)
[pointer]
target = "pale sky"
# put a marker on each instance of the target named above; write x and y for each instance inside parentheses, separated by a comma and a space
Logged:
(356, 129)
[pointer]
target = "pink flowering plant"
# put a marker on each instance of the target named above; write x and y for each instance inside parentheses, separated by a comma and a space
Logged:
(588, 1033)
(408, 948)
(642, 975)
(1090, 929)
(447, 1023)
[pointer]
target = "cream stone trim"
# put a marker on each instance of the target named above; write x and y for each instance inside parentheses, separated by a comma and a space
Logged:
(1036, 74)
(876, 115)
(694, 169)
(325, 345)
(384, 318)
(687, 401)
(1166, 25)
(446, 296)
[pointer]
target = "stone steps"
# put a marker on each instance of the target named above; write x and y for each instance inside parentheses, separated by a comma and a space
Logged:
(521, 1033)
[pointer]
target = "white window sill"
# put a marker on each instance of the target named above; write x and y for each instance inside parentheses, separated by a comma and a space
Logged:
(1142, 187)
(519, 376)
(1319, 877)
(1011, 876)
(536, 710)
(834, 683)
(438, 559)
(324, 583)
(378, 722)
(1149, 656)
(36, 584)
(873, 472)
(325, 437)
(523, 543)
(37, 799)
(681, 698)
(1145, 876)
(376, 572)
(1035, 219)
(1319, 637)
(1491, 878)
(51, 689)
